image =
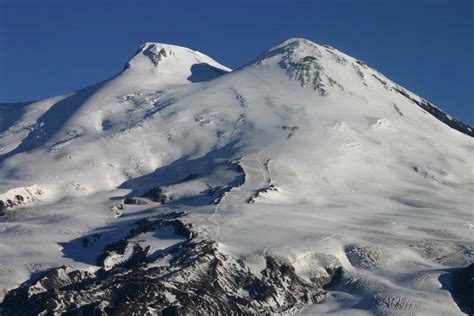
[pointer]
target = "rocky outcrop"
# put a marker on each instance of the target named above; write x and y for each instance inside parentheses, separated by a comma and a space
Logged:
(135, 201)
(156, 195)
(425, 105)
(19, 196)
(302, 61)
(191, 277)
(155, 54)
(436, 112)
(253, 198)
(9, 203)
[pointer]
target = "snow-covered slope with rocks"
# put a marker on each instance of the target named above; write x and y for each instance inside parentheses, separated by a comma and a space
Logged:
(310, 183)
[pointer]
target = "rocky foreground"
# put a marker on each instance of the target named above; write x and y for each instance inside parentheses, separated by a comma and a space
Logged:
(190, 277)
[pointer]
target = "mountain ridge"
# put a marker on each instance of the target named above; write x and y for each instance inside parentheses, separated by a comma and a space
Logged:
(307, 173)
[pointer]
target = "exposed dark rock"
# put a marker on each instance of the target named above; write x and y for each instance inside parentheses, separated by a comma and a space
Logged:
(156, 195)
(38, 295)
(191, 277)
(3, 207)
(154, 54)
(383, 82)
(463, 289)
(428, 107)
(397, 109)
(9, 203)
(359, 72)
(437, 113)
(135, 201)
(362, 63)
(307, 70)
(123, 254)
(254, 196)
(334, 276)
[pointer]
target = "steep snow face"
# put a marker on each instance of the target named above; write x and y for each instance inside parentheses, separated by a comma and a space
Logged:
(97, 116)
(303, 61)
(304, 154)
(324, 68)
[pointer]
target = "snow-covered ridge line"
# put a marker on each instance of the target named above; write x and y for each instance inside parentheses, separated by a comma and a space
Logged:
(304, 161)
(306, 62)
(173, 65)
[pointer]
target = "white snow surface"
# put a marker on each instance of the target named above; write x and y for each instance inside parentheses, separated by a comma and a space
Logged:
(361, 172)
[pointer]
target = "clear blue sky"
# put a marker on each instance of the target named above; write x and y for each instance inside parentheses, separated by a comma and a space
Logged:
(51, 47)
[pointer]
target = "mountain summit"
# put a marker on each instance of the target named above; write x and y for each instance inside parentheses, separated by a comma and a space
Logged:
(323, 68)
(304, 181)
(174, 64)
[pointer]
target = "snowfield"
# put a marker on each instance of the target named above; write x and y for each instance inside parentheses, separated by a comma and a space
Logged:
(305, 155)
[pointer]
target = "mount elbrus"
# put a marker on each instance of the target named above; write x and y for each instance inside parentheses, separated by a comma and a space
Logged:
(302, 182)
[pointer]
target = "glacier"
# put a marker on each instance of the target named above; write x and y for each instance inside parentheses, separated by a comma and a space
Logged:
(302, 182)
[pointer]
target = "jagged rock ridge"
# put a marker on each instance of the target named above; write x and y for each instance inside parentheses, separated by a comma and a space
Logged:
(191, 277)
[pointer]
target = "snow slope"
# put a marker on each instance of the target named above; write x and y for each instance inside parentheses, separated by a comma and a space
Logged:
(301, 154)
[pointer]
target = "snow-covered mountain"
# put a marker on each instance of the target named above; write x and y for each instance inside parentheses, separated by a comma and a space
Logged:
(180, 186)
